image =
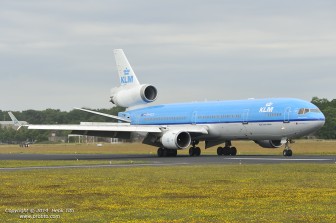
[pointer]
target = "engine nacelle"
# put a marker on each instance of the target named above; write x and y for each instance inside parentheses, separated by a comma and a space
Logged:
(270, 143)
(131, 95)
(176, 140)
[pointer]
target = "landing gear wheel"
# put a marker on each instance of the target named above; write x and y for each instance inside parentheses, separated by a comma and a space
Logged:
(165, 153)
(197, 151)
(160, 152)
(194, 151)
(220, 151)
(226, 151)
(191, 151)
(233, 151)
(287, 152)
(173, 152)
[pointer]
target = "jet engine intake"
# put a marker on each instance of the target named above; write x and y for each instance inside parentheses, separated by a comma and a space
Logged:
(131, 95)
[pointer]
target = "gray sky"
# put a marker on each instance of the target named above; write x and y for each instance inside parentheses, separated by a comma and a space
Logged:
(59, 53)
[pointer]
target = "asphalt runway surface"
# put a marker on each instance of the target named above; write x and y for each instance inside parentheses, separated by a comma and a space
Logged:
(136, 160)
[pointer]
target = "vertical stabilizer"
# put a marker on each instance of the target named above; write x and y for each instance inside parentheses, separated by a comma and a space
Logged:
(125, 71)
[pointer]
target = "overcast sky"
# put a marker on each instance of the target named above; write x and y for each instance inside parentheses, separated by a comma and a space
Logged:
(59, 53)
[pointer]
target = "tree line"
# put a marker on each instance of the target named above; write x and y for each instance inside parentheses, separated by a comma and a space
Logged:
(56, 116)
(328, 131)
(49, 116)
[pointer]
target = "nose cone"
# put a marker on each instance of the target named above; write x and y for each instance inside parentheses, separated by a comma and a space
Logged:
(319, 124)
(320, 120)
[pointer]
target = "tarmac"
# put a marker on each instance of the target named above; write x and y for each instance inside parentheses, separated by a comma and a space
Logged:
(136, 160)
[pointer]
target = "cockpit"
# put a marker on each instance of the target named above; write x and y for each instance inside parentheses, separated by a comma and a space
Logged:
(303, 111)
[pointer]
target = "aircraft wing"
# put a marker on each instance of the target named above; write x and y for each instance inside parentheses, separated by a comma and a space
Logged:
(121, 130)
(116, 130)
(97, 127)
(121, 127)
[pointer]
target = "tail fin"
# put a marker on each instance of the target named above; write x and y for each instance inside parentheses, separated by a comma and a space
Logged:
(125, 71)
(15, 121)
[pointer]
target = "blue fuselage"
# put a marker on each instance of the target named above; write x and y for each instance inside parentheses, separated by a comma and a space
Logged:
(237, 111)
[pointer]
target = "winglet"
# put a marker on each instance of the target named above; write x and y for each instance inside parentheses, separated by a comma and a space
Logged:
(15, 121)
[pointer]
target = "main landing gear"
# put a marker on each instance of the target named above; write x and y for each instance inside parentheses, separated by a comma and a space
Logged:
(163, 152)
(194, 151)
(227, 150)
(287, 151)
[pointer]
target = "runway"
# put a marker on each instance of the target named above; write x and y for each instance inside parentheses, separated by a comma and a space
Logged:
(136, 160)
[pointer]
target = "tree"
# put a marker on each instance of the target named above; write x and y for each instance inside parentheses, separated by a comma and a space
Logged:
(328, 131)
(50, 116)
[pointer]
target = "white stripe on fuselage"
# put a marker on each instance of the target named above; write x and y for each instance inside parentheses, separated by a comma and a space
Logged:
(262, 130)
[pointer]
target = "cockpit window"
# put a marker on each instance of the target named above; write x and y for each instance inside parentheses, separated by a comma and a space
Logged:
(306, 110)
(301, 111)
(315, 110)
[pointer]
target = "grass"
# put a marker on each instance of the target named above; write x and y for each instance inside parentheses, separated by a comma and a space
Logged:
(214, 193)
(309, 147)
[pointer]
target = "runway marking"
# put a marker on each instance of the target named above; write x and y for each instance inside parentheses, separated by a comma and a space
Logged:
(90, 166)
(281, 159)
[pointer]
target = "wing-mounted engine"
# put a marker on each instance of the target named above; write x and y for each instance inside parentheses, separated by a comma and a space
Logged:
(131, 95)
(270, 143)
(176, 140)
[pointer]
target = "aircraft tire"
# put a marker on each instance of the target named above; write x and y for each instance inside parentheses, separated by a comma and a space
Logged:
(226, 151)
(197, 151)
(287, 152)
(220, 151)
(173, 152)
(191, 151)
(233, 151)
(166, 152)
(160, 152)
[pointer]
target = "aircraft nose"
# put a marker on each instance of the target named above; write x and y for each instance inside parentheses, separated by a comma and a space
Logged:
(320, 121)
(320, 124)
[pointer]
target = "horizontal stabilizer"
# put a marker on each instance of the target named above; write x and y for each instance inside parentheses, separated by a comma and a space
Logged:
(106, 115)
(15, 121)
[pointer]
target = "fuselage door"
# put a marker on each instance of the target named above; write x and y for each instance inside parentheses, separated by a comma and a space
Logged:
(286, 115)
(245, 116)
(194, 118)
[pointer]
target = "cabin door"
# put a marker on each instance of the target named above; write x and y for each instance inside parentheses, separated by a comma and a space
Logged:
(286, 115)
(245, 116)
(194, 118)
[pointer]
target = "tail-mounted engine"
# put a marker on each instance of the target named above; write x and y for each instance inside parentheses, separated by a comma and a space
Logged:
(131, 95)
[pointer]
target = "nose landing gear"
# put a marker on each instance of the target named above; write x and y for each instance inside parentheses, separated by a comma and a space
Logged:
(287, 151)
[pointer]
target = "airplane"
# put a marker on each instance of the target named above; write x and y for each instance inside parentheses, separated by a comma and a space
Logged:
(26, 143)
(269, 122)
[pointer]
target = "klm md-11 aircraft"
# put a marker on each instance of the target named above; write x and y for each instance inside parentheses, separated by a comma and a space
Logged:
(271, 123)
